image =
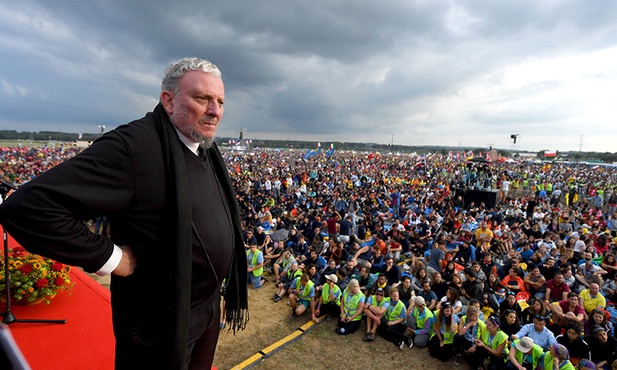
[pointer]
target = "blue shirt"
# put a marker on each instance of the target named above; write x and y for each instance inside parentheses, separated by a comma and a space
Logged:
(428, 296)
(294, 285)
(544, 339)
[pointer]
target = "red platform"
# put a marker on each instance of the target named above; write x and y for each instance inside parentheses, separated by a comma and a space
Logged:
(86, 341)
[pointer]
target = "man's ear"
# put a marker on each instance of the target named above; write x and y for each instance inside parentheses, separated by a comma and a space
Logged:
(167, 98)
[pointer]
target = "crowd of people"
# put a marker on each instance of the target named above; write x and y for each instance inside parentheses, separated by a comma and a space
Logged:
(388, 244)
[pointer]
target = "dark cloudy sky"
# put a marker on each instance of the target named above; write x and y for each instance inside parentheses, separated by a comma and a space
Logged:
(466, 73)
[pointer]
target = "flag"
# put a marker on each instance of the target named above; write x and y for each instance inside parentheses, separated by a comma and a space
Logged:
(330, 152)
(550, 153)
(318, 148)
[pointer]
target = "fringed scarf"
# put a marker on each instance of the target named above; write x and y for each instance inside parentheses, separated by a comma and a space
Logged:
(178, 215)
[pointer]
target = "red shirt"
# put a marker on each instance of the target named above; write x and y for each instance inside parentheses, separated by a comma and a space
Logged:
(557, 290)
(565, 306)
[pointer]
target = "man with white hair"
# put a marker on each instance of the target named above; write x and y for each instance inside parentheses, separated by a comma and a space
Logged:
(164, 187)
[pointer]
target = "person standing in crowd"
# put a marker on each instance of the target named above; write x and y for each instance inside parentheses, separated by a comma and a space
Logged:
(148, 178)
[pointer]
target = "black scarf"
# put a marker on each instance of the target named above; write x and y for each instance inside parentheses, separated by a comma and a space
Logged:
(178, 213)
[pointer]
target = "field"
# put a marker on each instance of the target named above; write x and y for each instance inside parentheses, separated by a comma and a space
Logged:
(318, 348)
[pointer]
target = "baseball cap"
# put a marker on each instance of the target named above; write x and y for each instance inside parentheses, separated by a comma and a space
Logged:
(380, 291)
(419, 301)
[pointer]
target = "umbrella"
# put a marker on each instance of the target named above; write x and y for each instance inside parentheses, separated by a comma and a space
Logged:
(279, 235)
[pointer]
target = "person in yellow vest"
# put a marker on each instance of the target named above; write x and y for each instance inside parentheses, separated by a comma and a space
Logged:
(468, 330)
(255, 261)
(392, 327)
(557, 357)
(374, 310)
(329, 302)
(419, 320)
(352, 305)
(284, 283)
(524, 355)
(441, 344)
(492, 343)
(302, 296)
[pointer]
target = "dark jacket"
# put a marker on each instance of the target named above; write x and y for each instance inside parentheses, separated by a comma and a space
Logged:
(125, 175)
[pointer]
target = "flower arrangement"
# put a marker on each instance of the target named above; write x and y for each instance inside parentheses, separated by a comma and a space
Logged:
(34, 278)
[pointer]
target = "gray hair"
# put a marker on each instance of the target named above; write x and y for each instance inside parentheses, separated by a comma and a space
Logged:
(177, 69)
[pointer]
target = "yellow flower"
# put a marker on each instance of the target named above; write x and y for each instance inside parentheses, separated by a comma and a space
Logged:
(36, 265)
(18, 264)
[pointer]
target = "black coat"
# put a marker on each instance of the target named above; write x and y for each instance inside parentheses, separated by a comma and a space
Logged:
(123, 176)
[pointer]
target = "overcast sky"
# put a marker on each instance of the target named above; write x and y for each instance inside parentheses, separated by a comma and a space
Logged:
(468, 73)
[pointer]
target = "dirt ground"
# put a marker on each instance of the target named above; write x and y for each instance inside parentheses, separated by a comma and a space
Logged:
(319, 348)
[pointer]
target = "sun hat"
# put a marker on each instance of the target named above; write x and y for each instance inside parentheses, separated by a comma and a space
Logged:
(332, 278)
(525, 344)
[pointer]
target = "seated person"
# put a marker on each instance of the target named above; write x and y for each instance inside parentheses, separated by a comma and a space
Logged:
(352, 306)
(603, 347)
(557, 357)
(429, 296)
(557, 289)
(405, 292)
(468, 330)
(382, 282)
(535, 283)
(592, 298)
(491, 343)
(535, 307)
(285, 281)
(366, 280)
(419, 321)
(441, 343)
(538, 332)
(587, 273)
(392, 326)
(565, 312)
(374, 308)
(510, 303)
(302, 296)
(513, 282)
(283, 264)
(329, 302)
(524, 354)
(597, 317)
(574, 342)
